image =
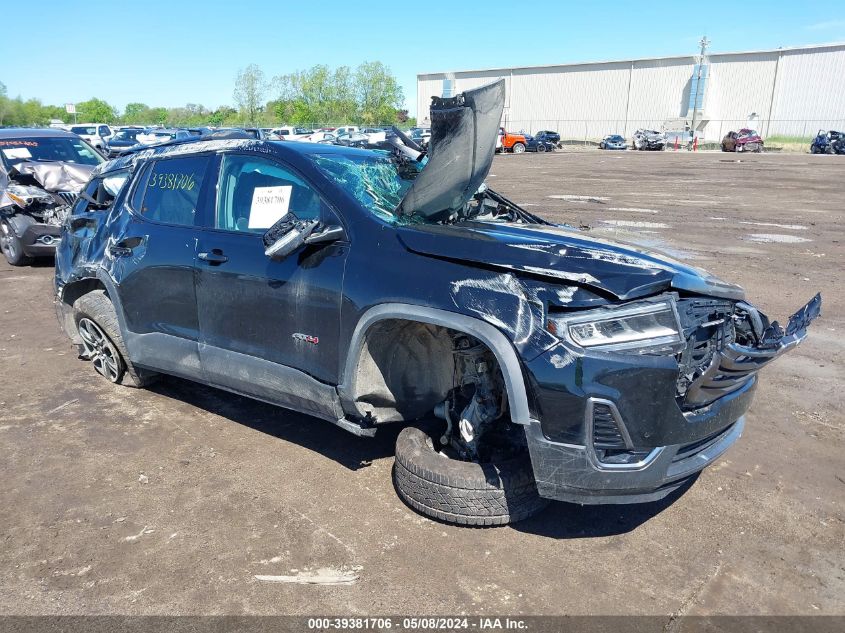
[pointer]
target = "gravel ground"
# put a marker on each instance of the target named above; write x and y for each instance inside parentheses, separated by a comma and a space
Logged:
(171, 500)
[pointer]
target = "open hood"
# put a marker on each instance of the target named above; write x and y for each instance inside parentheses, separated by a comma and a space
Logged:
(463, 142)
(56, 176)
(564, 255)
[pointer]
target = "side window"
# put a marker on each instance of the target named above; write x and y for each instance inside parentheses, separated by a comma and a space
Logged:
(169, 189)
(100, 193)
(254, 193)
(104, 131)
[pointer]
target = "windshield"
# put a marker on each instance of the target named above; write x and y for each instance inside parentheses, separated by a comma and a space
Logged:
(126, 135)
(69, 150)
(375, 180)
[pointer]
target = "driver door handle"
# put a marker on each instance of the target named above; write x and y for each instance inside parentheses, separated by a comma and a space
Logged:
(215, 257)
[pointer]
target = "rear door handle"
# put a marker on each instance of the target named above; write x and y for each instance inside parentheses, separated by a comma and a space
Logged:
(215, 257)
(125, 247)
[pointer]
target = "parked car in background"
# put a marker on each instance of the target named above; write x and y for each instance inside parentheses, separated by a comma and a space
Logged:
(613, 141)
(292, 133)
(156, 136)
(369, 288)
(549, 135)
(420, 135)
(508, 142)
(199, 131)
(746, 140)
(354, 139)
(345, 129)
(41, 173)
(534, 144)
(95, 134)
(320, 137)
(649, 140)
(828, 142)
(122, 140)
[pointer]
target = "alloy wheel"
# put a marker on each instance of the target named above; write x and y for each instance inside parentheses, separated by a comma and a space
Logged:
(100, 350)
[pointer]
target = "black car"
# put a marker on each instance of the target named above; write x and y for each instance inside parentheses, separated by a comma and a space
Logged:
(528, 360)
(122, 141)
(538, 144)
(549, 136)
(41, 172)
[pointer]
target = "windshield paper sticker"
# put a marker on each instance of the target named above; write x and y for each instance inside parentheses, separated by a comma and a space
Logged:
(17, 152)
(269, 205)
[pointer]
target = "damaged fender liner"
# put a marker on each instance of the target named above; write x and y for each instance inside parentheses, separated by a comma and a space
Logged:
(486, 333)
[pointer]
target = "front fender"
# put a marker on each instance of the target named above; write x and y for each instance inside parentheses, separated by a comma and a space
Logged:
(494, 339)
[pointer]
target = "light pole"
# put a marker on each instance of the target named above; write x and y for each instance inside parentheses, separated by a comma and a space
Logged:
(704, 42)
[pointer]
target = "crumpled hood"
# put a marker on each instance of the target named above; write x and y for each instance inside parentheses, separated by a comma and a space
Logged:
(565, 255)
(56, 176)
(464, 130)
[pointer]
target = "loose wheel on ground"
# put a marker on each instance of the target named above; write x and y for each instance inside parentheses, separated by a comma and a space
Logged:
(466, 493)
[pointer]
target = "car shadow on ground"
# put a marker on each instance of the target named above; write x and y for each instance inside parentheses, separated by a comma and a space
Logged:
(569, 520)
(559, 520)
(304, 430)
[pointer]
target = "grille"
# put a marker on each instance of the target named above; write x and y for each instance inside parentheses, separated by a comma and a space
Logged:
(606, 435)
(68, 197)
(729, 369)
(712, 364)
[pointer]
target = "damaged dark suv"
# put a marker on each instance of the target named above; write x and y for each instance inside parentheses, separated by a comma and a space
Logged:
(528, 360)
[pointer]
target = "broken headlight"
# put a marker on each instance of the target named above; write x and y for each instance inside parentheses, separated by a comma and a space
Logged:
(23, 195)
(651, 327)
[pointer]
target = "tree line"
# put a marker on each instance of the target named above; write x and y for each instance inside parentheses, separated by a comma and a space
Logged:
(367, 95)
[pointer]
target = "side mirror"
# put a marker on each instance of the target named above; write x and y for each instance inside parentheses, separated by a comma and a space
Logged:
(325, 235)
(289, 233)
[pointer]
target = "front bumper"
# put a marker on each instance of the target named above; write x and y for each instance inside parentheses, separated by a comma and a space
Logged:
(586, 401)
(40, 240)
(571, 473)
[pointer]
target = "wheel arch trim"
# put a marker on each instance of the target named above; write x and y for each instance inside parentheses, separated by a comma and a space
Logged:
(498, 343)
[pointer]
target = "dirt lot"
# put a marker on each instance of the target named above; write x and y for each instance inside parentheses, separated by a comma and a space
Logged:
(169, 501)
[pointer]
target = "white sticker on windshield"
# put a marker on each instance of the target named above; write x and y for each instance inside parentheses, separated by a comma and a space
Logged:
(17, 152)
(269, 205)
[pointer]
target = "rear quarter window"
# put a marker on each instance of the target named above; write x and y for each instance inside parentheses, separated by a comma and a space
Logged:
(168, 190)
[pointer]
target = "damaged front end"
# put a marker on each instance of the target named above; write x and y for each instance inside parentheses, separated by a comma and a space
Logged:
(34, 204)
(638, 398)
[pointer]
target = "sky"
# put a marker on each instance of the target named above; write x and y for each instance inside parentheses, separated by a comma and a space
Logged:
(170, 53)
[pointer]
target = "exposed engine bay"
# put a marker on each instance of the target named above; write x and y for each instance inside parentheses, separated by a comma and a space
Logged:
(44, 191)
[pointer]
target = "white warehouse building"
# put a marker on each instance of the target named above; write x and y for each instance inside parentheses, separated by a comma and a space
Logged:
(787, 91)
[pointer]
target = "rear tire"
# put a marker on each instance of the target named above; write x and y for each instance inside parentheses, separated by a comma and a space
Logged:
(541, 148)
(465, 493)
(96, 322)
(11, 246)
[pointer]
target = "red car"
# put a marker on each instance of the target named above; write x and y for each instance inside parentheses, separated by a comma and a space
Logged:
(745, 140)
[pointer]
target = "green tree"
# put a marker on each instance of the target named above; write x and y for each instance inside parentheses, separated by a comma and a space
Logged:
(136, 113)
(4, 102)
(95, 111)
(250, 89)
(378, 93)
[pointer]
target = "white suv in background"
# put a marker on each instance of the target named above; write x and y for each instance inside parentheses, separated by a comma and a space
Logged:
(96, 134)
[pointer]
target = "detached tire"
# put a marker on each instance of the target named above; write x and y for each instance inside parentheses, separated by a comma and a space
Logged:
(466, 493)
(95, 317)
